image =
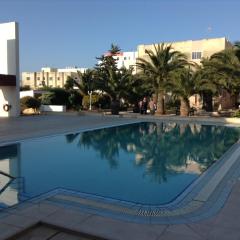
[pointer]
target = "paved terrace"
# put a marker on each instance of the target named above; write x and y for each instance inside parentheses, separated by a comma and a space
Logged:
(13, 129)
(225, 225)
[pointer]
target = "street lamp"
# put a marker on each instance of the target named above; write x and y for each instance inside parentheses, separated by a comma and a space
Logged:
(90, 100)
(90, 91)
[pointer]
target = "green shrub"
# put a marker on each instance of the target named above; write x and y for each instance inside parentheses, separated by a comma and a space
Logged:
(25, 88)
(236, 114)
(55, 96)
(74, 99)
(29, 102)
(86, 101)
(104, 102)
(46, 98)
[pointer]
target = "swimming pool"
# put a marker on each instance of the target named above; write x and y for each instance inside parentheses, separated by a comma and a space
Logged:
(147, 162)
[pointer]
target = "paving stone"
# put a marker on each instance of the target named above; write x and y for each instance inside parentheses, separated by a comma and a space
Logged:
(202, 230)
(66, 236)
(38, 233)
(228, 221)
(181, 231)
(178, 236)
(114, 229)
(222, 233)
(38, 211)
(66, 217)
(8, 230)
(12, 129)
(19, 221)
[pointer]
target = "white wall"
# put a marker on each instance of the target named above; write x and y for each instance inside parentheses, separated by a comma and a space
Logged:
(53, 108)
(29, 93)
(9, 64)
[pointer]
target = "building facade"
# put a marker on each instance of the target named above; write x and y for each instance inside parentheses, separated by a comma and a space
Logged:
(125, 60)
(195, 50)
(9, 70)
(51, 77)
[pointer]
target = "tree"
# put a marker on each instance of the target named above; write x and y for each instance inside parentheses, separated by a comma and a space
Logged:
(113, 81)
(227, 67)
(160, 63)
(56, 96)
(206, 84)
(84, 82)
(74, 99)
(220, 73)
(181, 85)
(80, 87)
(136, 88)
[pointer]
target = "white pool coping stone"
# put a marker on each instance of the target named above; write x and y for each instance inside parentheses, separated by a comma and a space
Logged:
(217, 178)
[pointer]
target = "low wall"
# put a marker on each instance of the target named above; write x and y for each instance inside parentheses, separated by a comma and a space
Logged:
(29, 93)
(53, 108)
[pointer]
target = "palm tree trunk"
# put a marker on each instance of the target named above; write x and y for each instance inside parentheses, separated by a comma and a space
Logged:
(207, 101)
(160, 103)
(184, 107)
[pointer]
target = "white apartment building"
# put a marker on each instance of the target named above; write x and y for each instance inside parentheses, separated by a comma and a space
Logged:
(51, 77)
(124, 59)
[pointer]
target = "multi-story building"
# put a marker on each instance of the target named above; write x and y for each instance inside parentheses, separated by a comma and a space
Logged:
(51, 77)
(124, 60)
(195, 50)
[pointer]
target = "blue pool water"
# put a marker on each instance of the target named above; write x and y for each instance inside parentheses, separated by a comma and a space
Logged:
(150, 163)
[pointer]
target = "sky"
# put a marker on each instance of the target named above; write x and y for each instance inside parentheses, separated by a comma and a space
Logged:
(61, 33)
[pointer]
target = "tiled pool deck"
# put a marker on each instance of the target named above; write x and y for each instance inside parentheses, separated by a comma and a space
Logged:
(201, 215)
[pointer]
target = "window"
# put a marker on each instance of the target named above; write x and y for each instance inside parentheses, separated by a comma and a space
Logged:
(125, 58)
(196, 55)
(28, 78)
(38, 78)
(58, 78)
(50, 78)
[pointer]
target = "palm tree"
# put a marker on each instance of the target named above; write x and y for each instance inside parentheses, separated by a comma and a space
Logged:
(206, 84)
(227, 62)
(160, 63)
(223, 71)
(84, 82)
(136, 88)
(181, 84)
(115, 49)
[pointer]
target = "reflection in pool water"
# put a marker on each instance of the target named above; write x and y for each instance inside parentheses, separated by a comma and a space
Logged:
(149, 163)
